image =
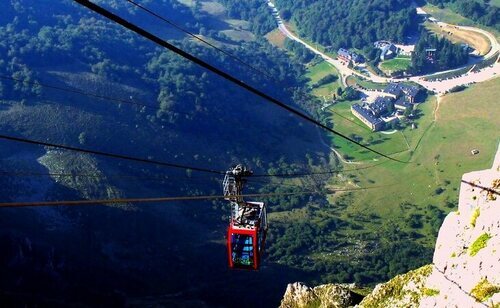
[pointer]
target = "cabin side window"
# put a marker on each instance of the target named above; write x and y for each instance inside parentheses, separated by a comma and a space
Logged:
(242, 250)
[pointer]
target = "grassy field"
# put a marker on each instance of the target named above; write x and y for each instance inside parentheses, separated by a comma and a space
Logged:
(238, 24)
(440, 155)
(353, 80)
(400, 63)
(212, 7)
(480, 42)
(448, 16)
(239, 35)
(320, 70)
(276, 38)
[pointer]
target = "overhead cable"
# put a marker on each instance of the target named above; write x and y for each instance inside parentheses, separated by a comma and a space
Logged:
(272, 78)
(491, 190)
(156, 162)
(111, 155)
(85, 93)
(298, 174)
(161, 199)
(98, 9)
(185, 31)
(160, 178)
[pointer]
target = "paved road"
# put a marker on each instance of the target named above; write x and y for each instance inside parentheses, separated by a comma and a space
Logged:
(441, 86)
(487, 73)
(341, 66)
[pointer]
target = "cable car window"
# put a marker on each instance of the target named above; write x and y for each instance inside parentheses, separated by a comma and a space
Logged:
(242, 250)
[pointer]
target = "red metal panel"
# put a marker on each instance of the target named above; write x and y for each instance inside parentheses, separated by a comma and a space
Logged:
(229, 245)
(256, 253)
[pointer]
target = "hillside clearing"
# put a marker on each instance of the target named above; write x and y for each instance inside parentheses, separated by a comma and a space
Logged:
(448, 16)
(239, 35)
(460, 36)
(400, 63)
(276, 38)
(319, 70)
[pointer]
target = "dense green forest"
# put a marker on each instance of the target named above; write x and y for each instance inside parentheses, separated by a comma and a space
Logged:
(350, 23)
(299, 51)
(254, 11)
(447, 55)
(193, 118)
(479, 11)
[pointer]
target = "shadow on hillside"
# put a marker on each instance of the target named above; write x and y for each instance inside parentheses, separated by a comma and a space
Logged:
(111, 257)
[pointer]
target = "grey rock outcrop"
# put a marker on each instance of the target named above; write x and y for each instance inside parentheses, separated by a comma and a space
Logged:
(298, 295)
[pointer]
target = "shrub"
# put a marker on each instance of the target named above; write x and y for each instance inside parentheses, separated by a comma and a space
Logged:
(484, 290)
(474, 217)
(326, 80)
(479, 244)
(430, 292)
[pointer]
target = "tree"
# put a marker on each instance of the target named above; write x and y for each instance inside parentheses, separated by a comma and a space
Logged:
(326, 80)
(166, 103)
(408, 111)
(447, 55)
(82, 138)
(286, 14)
(101, 68)
(350, 94)
(354, 23)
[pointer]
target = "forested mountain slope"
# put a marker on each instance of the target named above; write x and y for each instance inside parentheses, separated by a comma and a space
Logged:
(169, 109)
(348, 23)
(122, 253)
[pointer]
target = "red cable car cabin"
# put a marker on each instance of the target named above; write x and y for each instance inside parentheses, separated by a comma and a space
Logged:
(246, 235)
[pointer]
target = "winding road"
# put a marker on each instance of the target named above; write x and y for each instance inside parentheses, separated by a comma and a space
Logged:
(440, 87)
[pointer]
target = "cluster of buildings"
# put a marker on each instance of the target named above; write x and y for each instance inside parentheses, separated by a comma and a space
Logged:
(388, 50)
(388, 108)
(349, 56)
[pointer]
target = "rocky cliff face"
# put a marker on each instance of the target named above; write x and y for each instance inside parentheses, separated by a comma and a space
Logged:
(328, 295)
(466, 265)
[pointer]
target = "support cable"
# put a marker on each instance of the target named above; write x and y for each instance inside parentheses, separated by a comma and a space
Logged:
(119, 101)
(111, 155)
(84, 93)
(105, 13)
(491, 190)
(234, 57)
(158, 178)
(298, 175)
(185, 31)
(161, 199)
